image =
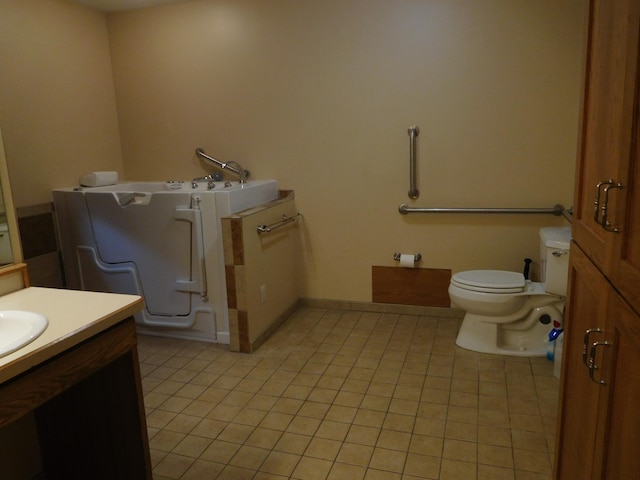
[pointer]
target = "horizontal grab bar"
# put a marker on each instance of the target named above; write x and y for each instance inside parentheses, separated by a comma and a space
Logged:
(274, 226)
(568, 214)
(555, 210)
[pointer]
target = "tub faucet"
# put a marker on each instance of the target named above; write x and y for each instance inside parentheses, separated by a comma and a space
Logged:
(237, 169)
(206, 178)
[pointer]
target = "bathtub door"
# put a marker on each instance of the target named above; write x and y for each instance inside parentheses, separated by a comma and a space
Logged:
(143, 233)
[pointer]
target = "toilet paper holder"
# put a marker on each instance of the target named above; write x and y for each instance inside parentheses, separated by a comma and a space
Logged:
(416, 257)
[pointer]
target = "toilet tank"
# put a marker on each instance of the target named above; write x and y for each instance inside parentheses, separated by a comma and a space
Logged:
(554, 259)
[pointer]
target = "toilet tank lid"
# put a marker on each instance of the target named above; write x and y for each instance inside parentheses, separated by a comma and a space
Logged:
(556, 237)
(490, 278)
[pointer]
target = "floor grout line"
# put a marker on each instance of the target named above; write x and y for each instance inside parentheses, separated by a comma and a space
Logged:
(373, 395)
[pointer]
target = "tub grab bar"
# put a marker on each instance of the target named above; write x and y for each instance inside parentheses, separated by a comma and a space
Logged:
(274, 226)
(232, 166)
(413, 131)
(555, 210)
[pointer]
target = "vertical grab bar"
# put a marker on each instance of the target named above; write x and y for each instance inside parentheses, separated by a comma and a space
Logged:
(413, 189)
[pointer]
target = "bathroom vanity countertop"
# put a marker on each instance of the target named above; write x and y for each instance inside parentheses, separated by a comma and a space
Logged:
(74, 316)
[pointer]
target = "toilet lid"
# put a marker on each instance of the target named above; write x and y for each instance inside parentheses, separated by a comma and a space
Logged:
(497, 281)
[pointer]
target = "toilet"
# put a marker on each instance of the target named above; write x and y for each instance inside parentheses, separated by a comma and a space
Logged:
(507, 314)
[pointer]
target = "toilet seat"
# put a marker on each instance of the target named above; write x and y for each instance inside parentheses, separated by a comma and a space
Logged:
(490, 281)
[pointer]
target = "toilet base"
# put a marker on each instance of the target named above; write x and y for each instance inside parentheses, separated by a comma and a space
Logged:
(479, 335)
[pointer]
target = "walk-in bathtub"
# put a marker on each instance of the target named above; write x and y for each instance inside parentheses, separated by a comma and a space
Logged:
(158, 240)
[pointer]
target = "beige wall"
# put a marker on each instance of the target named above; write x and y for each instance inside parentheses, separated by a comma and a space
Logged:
(317, 95)
(57, 104)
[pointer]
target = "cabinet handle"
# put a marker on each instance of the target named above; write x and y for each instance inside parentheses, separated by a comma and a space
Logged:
(604, 222)
(592, 362)
(585, 345)
(596, 203)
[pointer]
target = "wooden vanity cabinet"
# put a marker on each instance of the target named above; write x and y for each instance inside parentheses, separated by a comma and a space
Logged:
(88, 409)
(599, 423)
(599, 418)
(606, 221)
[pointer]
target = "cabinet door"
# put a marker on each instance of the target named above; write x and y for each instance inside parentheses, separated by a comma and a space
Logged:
(625, 267)
(621, 459)
(607, 125)
(580, 428)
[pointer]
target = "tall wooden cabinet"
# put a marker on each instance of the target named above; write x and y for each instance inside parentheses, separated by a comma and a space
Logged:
(599, 418)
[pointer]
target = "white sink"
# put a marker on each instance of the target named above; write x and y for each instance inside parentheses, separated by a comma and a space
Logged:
(19, 328)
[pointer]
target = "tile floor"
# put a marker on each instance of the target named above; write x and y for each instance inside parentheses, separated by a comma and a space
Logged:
(348, 395)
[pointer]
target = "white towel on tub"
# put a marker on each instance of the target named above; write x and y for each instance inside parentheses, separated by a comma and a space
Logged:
(99, 179)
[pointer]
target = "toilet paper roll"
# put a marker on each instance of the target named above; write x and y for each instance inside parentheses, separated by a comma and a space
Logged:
(408, 260)
(99, 179)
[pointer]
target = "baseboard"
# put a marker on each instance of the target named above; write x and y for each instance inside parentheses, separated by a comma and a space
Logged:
(273, 327)
(441, 312)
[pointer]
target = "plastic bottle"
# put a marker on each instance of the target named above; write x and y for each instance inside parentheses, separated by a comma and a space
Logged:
(557, 357)
(551, 345)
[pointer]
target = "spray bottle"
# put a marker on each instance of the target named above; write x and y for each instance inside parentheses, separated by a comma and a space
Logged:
(553, 334)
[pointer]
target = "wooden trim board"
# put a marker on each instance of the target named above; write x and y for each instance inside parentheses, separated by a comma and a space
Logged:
(411, 286)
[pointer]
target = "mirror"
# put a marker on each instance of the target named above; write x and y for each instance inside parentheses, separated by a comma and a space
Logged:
(10, 249)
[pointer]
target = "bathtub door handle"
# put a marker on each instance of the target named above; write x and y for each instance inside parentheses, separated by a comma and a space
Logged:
(199, 283)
